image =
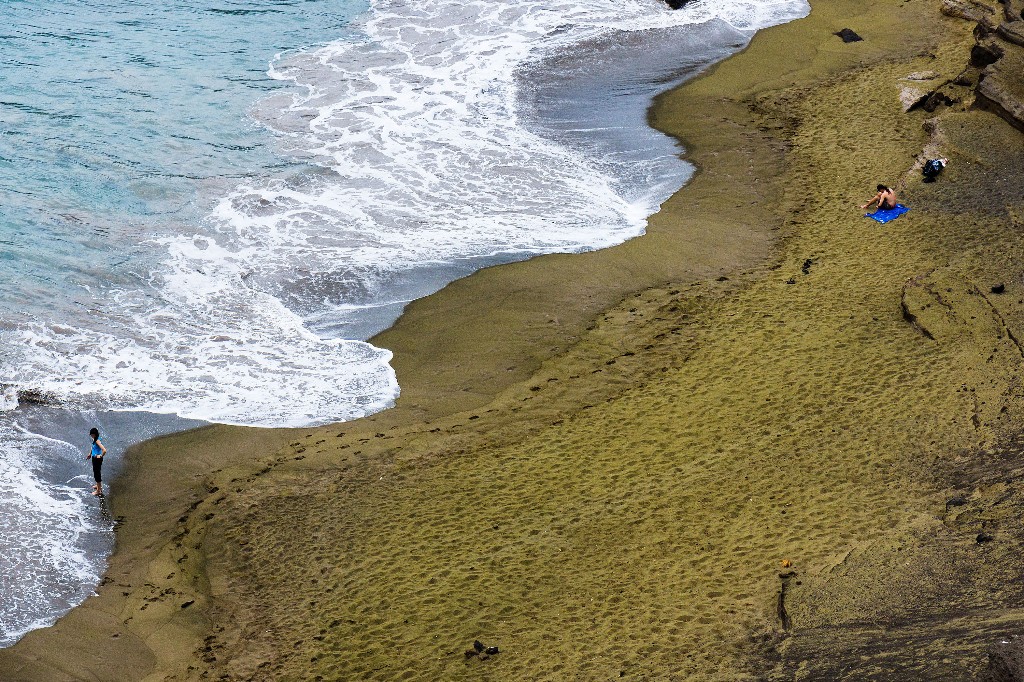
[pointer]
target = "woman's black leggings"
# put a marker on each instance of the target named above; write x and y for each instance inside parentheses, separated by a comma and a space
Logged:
(97, 464)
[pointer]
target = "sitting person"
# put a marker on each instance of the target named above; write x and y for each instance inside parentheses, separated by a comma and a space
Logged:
(886, 198)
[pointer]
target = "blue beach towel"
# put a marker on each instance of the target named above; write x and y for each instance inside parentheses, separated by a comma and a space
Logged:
(884, 215)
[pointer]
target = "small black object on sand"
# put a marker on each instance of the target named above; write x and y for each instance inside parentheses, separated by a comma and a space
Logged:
(848, 35)
(480, 651)
(932, 167)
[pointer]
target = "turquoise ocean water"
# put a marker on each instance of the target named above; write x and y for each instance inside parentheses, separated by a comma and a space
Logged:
(210, 205)
(119, 121)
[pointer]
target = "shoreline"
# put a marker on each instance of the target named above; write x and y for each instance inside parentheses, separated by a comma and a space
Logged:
(621, 342)
(672, 57)
(90, 548)
(125, 505)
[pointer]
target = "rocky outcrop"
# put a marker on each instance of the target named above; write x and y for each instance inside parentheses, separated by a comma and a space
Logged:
(971, 10)
(924, 90)
(997, 58)
(1012, 31)
(1001, 86)
(677, 4)
(1013, 9)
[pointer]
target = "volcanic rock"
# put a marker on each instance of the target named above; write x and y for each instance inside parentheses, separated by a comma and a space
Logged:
(848, 35)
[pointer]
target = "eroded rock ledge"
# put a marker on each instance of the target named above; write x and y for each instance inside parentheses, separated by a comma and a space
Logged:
(998, 54)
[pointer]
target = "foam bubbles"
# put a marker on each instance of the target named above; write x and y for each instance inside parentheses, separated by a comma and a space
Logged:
(216, 352)
(8, 398)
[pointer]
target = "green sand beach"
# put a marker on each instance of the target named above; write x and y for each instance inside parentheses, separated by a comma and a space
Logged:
(768, 440)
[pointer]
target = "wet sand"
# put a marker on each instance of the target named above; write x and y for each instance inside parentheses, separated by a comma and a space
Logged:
(771, 439)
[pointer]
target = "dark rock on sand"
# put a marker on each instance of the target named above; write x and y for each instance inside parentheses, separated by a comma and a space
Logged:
(985, 52)
(999, 288)
(934, 100)
(955, 502)
(32, 396)
(481, 651)
(984, 537)
(848, 35)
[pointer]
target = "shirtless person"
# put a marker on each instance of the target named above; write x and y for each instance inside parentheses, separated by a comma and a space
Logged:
(886, 198)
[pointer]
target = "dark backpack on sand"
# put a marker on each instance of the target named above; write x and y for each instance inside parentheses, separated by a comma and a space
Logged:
(931, 169)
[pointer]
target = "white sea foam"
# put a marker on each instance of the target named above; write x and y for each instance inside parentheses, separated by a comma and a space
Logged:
(8, 398)
(415, 160)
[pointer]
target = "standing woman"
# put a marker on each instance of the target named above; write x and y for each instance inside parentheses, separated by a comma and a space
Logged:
(97, 460)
